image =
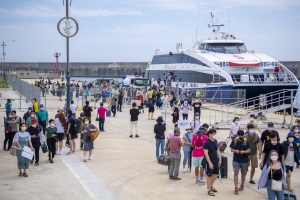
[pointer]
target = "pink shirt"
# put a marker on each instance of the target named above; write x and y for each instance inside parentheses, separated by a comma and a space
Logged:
(101, 112)
(198, 151)
(170, 134)
(175, 144)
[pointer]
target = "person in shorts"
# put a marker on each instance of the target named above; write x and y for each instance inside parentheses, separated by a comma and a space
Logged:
(71, 133)
(254, 143)
(240, 147)
(212, 161)
(197, 142)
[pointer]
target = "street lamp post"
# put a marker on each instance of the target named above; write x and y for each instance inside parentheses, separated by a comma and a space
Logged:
(67, 33)
(3, 52)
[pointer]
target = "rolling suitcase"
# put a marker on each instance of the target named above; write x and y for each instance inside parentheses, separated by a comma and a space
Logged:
(223, 145)
(224, 166)
(108, 113)
(289, 195)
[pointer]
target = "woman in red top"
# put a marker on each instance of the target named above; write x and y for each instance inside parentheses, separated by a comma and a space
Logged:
(139, 96)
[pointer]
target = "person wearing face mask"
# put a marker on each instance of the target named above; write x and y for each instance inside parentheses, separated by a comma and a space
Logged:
(234, 128)
(159, 131)
(254, 142)
(14, 121)
(42, 116)
(81, 119)
(22, 138)
(195, 124)
(265, 136)
(31, 117)
(206, 127)
(176, 112)
(187, 143)
(273, 144)
(198, 154)
(51, 133)
(252, 118)
(60, 124)
(182, 98)
(88, 144)
(197, 106)
(35, 105)
(212, 161)
(35, 132)
(185, 109)
(291, 155)
(240, 148)
(27, 114)
(296, 130)
(272, 171)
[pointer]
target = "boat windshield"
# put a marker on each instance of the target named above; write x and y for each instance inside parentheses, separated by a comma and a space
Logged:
(141, 82)
(228, 48)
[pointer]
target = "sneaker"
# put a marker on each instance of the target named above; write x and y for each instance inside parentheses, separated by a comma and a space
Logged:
(74, 152)
(137, 136)
(176, 179)
(84, 159)
(184, 170)
(201, 181)
(198, 181)
(131, 136)
(57, 152)
(236, 190)
(69, 153)
(103, 130)
(188, 169)
(171, 177)
(90, 157)
(4, 148)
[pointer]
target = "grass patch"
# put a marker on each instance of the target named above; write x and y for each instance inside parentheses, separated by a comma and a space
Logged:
(3, 83)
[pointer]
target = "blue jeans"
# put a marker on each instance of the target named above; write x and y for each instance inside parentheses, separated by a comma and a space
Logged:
(185, 116)
(186, 157)
(272, 194)
(162, 147)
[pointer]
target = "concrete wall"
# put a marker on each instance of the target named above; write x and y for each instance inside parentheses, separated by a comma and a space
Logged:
(103, 69)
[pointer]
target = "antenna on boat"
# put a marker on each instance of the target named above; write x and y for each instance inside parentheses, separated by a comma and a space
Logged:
(229, 15)
(197, 23)
(214, 24)
(179, 47)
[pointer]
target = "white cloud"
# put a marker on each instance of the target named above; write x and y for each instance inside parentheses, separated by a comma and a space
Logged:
(263, 4)
(138, 29)
(42, 11)
(103, 12)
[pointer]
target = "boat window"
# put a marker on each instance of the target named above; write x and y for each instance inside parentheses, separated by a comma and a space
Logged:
(228, 48)
(175, 58)
(141, 82)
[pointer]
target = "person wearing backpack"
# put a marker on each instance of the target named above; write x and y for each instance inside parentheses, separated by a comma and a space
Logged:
(254, 143)
(198, 154)
(240, 147)
(187, 143)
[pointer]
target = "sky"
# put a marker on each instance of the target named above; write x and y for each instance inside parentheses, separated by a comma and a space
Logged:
(131, 30)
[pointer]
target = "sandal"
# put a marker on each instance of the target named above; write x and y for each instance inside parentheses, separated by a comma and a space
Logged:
(211, 193)
(252, 182)
(25, 175)
(213, 189)
(241, 188)
(37, 164)
(20, 174)
(236, 190)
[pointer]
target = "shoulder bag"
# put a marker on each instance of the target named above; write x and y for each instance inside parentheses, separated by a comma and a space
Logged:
(275, 185)
(13, 149)
(94, 134)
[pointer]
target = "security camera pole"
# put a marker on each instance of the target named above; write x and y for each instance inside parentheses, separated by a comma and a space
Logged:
(67, 34)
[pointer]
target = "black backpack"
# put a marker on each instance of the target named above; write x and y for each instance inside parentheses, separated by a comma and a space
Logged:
(77, 125)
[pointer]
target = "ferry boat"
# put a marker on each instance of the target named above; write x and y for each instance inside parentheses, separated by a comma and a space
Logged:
(222, 63)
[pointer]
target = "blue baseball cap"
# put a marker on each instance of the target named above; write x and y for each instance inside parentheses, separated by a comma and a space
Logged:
(30, 108)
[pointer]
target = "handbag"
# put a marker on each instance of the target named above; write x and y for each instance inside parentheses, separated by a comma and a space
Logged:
(13, 149)
(44, 148)
(164, 159)
(97, 119)
(275, 185)
(94, 134)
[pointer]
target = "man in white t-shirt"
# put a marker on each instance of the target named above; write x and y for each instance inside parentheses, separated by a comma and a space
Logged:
(73, 108)
(185, 109)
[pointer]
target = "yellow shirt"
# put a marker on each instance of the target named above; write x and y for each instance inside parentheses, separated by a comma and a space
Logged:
(197, 93)
(35, 107)
(149, 94)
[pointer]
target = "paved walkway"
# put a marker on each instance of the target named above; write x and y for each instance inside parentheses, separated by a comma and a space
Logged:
(122, 168)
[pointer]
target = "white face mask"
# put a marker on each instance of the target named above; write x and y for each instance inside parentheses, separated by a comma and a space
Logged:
(291, 139)
(215, 137)
(32, 115)
(273, 142)
(185, 102)
(236, 121)
(274, 157)
(23, 128)
(197, 118)
(270, 129)
(33, 125)
(295, 130)
(52, 124)
(251, 131)
(251, 119)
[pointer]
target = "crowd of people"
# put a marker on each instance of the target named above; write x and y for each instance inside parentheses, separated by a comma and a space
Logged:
(198, 142)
